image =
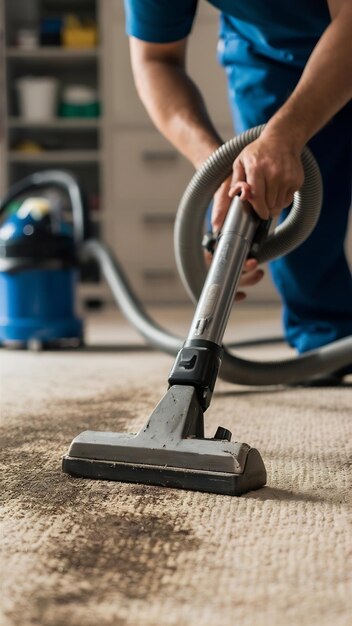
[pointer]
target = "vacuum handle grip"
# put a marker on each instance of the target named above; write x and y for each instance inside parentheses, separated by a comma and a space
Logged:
(63, 180)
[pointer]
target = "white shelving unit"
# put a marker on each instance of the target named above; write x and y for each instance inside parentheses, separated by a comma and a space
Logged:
(75, 144)
(61, 124)
(48, 53)
(55, 156)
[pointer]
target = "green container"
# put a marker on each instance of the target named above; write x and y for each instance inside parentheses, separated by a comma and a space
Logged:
(79, 110)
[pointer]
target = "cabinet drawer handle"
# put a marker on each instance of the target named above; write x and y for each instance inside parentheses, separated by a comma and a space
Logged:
(159, 274)
(158, 219)
(152, 156)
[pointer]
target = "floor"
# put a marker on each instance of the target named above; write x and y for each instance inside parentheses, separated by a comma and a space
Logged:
(77, 552)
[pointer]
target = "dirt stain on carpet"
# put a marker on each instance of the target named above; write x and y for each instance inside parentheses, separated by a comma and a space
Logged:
(91, 539)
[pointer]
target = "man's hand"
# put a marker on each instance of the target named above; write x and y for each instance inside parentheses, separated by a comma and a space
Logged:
(251, 275)
(221, 205)
(266, 173)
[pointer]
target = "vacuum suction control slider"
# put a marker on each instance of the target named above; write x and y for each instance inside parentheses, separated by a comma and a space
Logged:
(197, 364)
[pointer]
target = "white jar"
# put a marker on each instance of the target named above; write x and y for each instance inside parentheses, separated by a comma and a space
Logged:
(37, 97)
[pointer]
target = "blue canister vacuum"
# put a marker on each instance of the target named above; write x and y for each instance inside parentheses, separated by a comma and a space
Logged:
(39, 234)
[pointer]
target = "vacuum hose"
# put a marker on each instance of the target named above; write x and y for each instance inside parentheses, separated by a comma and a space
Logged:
(189, 225)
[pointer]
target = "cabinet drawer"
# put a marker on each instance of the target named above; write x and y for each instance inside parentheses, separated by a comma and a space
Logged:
(145, 238)
(162, 284)
(146, 167)
(157, 284)
(126, 106)
(144, 245)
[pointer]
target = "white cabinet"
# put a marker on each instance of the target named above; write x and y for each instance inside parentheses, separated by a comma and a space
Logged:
(126, 107)
(205, 70)
(148, 169)
(202, 66)
(149, 178)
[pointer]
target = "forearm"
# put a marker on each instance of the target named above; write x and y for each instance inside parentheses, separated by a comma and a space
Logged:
(176, 107)
(324, 88)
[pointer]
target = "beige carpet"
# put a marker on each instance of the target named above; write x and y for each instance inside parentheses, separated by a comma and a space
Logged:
(85, 553)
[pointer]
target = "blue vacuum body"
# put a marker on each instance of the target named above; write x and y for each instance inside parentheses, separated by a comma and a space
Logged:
(38, 273)
(38, 305)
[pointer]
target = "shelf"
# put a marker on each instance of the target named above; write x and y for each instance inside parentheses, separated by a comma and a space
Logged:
(57, 123)
(57, 156)
(45, 53)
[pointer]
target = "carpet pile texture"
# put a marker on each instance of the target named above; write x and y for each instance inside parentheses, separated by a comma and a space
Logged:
(79, 552)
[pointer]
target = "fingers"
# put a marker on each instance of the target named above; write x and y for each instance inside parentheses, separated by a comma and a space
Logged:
(242, 189)
(239, 185)
(251, 275)
(250, 265)
(249, 279)
(267, 173)
(249, 182)
(285, 197)
(272, 191)
(238, 176)
(256, 180)
(221, 205)
(208, 257)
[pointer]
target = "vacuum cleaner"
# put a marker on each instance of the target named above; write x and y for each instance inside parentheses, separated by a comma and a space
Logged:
(170, 449)
(39, 263)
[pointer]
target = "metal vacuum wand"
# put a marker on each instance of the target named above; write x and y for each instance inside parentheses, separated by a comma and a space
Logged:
(215, 303)
(201, 353)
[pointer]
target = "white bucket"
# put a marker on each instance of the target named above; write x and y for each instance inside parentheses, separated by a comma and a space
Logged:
(37, 97)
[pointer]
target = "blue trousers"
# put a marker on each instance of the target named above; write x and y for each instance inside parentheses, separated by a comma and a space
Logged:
(314, 281)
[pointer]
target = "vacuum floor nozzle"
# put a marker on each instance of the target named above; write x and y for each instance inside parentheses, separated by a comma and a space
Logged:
(170, 451)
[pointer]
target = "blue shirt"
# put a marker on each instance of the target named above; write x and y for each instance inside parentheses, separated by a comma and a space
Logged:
(281, 30)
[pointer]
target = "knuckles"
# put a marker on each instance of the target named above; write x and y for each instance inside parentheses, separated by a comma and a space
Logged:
(283, 170)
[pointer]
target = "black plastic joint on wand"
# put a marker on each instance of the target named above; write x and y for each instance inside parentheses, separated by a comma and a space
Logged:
(197, 364)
